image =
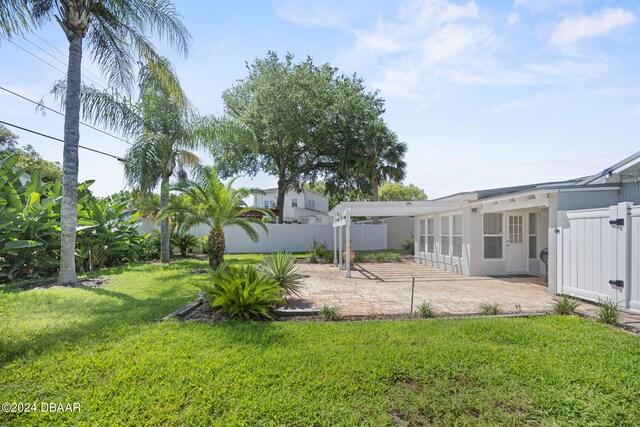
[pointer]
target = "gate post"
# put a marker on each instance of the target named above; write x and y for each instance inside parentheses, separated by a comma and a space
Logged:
(620, 255)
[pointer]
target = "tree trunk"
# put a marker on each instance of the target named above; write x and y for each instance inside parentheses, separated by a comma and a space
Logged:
(68, 209)
(376, 196)
(216, 247)
(282, 190)
(165, 235)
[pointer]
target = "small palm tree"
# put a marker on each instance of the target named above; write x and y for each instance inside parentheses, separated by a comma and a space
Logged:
(217, 205)
(165, 127)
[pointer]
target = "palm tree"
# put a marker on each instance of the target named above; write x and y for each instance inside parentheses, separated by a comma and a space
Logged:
(117, 35)
(218, 205)
(379, 158)
(165, 127)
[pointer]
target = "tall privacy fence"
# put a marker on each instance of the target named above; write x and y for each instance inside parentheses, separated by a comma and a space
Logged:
(289, 237)
(599, 254)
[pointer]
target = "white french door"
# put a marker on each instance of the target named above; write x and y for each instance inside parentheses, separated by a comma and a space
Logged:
(516, 260)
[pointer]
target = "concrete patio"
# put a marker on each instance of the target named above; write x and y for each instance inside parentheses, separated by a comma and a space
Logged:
(385, 288)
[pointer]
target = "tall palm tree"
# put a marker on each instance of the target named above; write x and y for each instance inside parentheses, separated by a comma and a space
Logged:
(117, 35)
(379, 158)
(218, 205)
(165, 127)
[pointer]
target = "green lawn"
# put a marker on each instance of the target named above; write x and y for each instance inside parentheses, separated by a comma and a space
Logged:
(106, 349)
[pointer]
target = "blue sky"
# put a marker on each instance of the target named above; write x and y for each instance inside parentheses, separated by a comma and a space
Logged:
(485, 93)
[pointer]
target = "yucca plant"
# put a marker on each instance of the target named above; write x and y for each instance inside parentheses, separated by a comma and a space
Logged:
(330, 313)
(425, 310)
(490, 308)
(241, 292)
(609, 312)
(281, 267)
(565, 305)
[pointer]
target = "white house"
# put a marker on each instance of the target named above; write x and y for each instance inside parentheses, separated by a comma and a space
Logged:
(304, 207)
(502, 231)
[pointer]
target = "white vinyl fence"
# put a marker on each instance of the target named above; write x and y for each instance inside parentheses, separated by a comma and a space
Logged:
(289, 237)
(599, 254)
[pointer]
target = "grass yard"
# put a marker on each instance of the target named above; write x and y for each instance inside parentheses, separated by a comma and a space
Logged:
(106, 349)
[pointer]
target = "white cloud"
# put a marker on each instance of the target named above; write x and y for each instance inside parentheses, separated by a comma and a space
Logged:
(508, 107)
(585, 70)
(312, 13)
(513, 20)
(576, 28)
(376, 41)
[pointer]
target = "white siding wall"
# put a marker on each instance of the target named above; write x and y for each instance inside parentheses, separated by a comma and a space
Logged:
(399, 229)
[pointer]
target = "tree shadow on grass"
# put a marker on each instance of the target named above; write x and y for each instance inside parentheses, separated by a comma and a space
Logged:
(82, 320)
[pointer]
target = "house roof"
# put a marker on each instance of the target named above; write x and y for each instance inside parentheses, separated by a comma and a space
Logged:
(628, 166)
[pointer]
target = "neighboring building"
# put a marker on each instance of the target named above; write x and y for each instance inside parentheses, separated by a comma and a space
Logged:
(502, 231)
(304, 207)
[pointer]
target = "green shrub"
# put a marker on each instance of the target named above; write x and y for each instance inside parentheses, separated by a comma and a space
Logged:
(490, 308)
(425, 310)
(110, 236)
(282, 269)
(330, 313)
(609, 312)
(565, 305)
(409, 246)
(185, 242)
(319, 252)
(241, 292)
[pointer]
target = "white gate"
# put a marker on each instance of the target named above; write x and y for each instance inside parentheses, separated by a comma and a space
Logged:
(598, 252)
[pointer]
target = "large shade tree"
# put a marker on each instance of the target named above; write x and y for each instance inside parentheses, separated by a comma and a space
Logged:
(166, 130)
(117, 35)
(302, 117)
(218, 205)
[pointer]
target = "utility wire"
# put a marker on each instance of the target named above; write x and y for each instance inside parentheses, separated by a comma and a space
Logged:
(64, 73)
(61, 61)
(39, 104)
(120, 159)
(35, 56)
(64, 55)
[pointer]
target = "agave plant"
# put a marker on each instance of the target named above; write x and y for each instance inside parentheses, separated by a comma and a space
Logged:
(282, 269)
(243, 293)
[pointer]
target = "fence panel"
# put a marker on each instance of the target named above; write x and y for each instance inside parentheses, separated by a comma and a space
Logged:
(598, 252)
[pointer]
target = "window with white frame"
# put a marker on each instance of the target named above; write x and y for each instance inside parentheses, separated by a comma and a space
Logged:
(456, 232)
(444, 236)
(492, 235)
(430, 235)
(421, 235)
(269, 204)
(294, 203)
(533, 235)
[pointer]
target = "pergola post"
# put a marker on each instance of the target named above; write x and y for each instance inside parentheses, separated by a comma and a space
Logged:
(340, 247)
(335, 245)
(348, 243)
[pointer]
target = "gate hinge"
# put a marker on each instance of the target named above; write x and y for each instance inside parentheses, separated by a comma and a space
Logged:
(617, 283)
(619, 221)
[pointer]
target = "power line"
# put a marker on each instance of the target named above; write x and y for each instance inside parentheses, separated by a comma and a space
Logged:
(64, 73)
(39, 104)
(35, 56)
(120, 159)
(66, 56)
(63, 62)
